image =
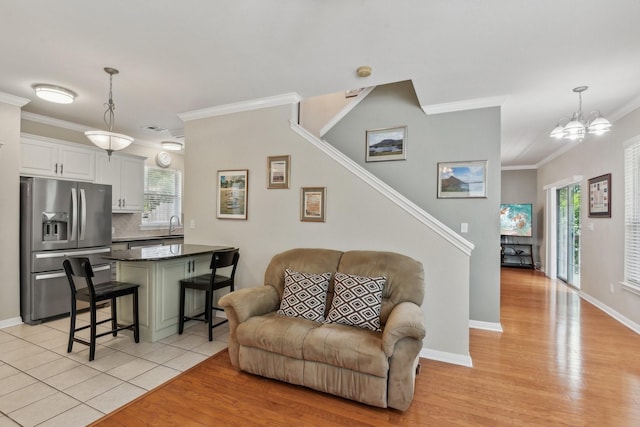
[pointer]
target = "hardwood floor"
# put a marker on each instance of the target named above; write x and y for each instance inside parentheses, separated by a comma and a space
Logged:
(559, 362)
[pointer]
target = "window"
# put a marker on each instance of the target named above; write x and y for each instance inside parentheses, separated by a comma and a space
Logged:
(632, 216)
(162, 196)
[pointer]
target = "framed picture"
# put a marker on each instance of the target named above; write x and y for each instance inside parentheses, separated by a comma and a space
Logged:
(386, 144)
(233, 189)
(278, 170)
(600, 196)
(462, 179)
(312, 204)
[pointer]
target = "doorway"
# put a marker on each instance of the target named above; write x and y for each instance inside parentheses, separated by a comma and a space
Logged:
(568, 234)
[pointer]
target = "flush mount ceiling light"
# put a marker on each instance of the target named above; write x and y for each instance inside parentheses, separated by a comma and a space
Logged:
(52, 93)
(171, 145)
(108, 140)
(577, 127)
(363, 71)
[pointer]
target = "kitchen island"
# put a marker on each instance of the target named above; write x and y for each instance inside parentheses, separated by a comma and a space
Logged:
(158, 270)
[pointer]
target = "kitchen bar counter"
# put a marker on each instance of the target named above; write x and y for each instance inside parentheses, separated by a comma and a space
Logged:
(158, 270)
(160, 253)
(146, 238)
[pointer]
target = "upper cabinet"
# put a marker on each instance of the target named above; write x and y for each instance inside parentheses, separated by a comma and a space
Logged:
(125, 173)
(44, 157)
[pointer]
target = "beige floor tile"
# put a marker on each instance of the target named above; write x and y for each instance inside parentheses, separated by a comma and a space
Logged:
(132, 369)
(80, 353)
(52, 368)
(163, 355)
(185, 361)
(154, 377)
(24, 330)
(93, 387)
(80, 415)
(6, 371)
(188, 341)
(35, 360)
(44, 409)
(7, 422)
(48, 338)
(210, 348)
(15, 345)
(71, 377)
(5, 337)
(110, 361)
(14, 382)
(25, 396)
(141, 348)
(116, 397)
(61, 324)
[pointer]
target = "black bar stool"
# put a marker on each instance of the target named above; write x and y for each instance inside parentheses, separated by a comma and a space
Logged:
(209, 283)
(80, 268)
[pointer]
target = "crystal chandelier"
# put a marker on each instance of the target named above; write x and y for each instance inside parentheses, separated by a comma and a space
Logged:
(577, 127)
(109, 140)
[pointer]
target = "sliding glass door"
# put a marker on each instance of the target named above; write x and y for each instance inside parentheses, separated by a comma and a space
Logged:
(568, 234)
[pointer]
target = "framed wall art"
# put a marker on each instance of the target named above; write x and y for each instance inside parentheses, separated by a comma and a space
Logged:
(233, 191)
(386, 144)
(600, 196)
(462, 179)
(278, 171)
(312, 204)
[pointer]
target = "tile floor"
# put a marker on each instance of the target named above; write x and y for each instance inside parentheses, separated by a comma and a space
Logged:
(43, 385)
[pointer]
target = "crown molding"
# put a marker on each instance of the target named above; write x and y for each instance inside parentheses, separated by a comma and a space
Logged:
(518, 168)
(5, 98)
(470, 104)
(46, 120)
(239, 107)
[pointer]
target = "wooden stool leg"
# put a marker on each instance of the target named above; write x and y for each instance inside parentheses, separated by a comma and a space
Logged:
(114, 317)
(92, 338)
(136, 320)
(181, 316)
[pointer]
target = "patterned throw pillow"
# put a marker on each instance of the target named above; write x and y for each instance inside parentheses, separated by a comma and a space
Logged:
(357, 301)
(305, 295)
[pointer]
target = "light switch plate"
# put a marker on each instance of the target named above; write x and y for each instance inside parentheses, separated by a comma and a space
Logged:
(464, 227)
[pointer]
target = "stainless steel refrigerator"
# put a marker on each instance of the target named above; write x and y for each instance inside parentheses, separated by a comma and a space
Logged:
(57, 219)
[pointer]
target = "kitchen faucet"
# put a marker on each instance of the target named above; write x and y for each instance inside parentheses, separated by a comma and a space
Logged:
(171, 227)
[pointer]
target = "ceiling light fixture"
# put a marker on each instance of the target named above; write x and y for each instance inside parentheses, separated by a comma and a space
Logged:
(577, 127)
(52, 93)
(108, 140)
(171, 145)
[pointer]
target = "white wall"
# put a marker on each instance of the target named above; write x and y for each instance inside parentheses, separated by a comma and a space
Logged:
(357, 216)
(9, 214)
(602, 248)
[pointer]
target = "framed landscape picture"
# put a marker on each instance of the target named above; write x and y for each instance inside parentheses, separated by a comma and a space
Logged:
(462, 179)
(312, 204)
(386, 144)
(278, 171)
(600, 196)
(233, 189)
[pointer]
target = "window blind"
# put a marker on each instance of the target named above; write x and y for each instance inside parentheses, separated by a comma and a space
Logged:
(162, 195)
(632, 214)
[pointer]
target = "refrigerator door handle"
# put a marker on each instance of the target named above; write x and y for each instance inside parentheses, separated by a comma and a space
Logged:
(83, 213)
(74, 213)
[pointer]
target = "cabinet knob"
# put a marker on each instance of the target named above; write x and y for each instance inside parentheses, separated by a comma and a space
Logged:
(56, 168)
(61, 168)
(123, 203)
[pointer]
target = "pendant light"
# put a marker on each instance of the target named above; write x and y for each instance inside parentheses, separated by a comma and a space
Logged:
(578, 127)
(108, 140)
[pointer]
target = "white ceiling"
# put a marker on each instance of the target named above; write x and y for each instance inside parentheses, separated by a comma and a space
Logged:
(180, 56)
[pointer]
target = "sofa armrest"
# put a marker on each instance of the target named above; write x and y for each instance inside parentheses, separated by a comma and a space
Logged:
(247, 303)
(406, 320)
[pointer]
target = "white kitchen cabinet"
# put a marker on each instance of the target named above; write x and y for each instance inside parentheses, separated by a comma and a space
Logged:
(126, 175)
(52, 158)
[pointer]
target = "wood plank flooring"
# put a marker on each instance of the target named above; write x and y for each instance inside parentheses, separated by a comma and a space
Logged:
(559, 362)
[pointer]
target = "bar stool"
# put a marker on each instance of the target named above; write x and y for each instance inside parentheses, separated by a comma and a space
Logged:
(80, 268)
(210, 282)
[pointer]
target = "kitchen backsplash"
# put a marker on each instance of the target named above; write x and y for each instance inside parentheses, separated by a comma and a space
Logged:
(127, 225)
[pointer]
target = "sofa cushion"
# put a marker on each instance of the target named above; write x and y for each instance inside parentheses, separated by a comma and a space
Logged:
(275, 333)
(305, 295)
(357, 301)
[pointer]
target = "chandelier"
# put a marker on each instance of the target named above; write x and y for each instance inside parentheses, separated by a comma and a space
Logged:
(109, 140)
(577, 127)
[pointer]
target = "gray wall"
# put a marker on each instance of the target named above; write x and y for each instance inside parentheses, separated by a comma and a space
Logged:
(602, 239)
(458, 136)
(357, 216)
(520, 186)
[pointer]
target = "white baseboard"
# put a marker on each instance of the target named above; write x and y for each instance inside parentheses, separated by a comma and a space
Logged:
(487, 326)
(611, 312)
(443, 356)
(10, 322)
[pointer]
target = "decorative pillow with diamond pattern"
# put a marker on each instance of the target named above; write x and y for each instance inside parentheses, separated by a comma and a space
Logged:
(357, 301)
(305, 295)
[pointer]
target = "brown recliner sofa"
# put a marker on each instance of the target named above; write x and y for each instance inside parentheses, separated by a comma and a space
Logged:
(376, 368)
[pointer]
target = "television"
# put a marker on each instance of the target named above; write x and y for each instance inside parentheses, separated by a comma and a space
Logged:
(516, 219)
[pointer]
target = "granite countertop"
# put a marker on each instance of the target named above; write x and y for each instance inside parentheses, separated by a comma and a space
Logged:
(160, 253)
(143, 238)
